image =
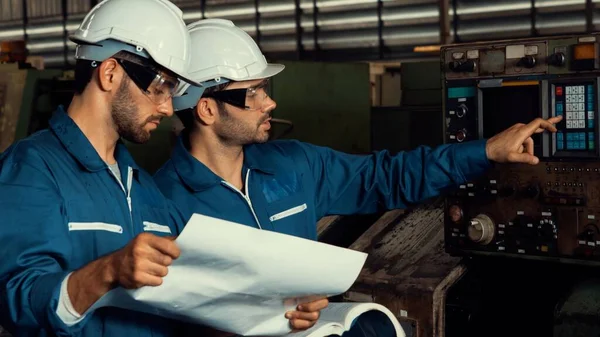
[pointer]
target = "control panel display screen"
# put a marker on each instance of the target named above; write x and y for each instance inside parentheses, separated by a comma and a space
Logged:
(505, 106)
(576, 103)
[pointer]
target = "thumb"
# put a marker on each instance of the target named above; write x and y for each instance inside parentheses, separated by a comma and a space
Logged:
(524, 158)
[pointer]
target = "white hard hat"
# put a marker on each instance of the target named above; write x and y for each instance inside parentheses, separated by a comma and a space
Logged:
(149, 28)
(220, 52)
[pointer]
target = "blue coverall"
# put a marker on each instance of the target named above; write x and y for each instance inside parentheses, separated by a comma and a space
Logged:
(61, 208)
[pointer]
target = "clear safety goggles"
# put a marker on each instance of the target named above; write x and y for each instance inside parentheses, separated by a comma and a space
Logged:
(153, 84)
(253, 98)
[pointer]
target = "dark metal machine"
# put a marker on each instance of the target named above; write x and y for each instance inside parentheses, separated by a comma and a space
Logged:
(530, 234)
(550, 211)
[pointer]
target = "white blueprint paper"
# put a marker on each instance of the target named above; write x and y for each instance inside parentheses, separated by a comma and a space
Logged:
(240, 279)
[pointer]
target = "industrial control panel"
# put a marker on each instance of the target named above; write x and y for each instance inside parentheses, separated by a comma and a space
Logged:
(549, 211)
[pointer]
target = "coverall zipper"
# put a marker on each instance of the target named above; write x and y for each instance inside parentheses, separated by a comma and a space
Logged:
(245, 196)
(127, 192)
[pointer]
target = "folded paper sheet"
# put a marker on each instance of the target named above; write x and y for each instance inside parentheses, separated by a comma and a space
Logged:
(240, 279)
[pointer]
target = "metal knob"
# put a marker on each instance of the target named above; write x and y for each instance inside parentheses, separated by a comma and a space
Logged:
(481, 229)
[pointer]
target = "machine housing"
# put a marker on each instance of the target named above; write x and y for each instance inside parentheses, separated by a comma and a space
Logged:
(549, 211)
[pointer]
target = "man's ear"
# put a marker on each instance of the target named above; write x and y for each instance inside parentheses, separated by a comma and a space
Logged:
(109, 75)
(206, 111)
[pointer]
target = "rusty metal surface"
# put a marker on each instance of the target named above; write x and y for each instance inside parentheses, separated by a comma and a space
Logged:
(407, 269)
(325, 224)
(378, 228)
(12, 83)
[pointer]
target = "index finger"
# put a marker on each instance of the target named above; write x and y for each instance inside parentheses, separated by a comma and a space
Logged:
(165, 246)
(530, 128)
(555, 119)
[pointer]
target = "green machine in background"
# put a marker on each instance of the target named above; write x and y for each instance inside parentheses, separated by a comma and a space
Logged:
(329, 104)
(152, 155)
(27, 99)
(416, 118)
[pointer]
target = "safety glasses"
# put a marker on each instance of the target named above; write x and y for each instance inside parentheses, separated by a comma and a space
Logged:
(252, 98)
(153, 84)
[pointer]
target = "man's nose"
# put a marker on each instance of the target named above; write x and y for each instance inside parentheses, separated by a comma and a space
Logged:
(269, 104)
(166, 108)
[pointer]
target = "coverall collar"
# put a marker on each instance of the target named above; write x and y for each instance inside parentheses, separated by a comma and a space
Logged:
(79, 146)
(199, 177)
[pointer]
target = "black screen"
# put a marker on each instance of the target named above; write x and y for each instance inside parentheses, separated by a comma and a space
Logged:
(505, 106)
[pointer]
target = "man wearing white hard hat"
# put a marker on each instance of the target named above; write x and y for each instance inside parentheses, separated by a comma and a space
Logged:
(79, 217)
(223, 166)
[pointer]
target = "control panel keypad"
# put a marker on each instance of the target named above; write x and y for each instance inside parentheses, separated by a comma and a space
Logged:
(576, 104)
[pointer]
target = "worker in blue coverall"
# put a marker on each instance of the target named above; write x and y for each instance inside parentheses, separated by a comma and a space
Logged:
(77, 215)
(223, 166)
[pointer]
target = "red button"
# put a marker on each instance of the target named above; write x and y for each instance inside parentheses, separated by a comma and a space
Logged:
(559, 91)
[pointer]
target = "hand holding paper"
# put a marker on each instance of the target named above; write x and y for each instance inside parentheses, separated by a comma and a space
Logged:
(240, 279)
(307, 313)
(144, 261)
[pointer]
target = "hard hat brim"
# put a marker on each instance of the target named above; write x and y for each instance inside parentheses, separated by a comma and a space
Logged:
(102, 52)
(270, 71)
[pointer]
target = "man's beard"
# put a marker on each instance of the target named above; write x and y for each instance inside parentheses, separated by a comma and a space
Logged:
(235, 132)
(125, 116)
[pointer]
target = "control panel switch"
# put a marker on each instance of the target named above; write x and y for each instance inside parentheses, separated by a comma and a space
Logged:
(467, 66)
(461, 111)
(528, 61)
(557, 59)
(461, 135)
